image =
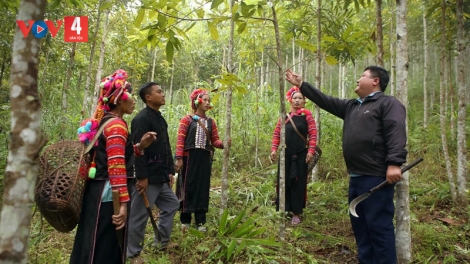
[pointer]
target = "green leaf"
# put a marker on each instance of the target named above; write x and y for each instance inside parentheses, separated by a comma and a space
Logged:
(106, 6)
(196, 233)
(230, 77)
(139, 17)
(331, 60)
(236, 221)
(55, 4)
(306, 45)
(200, 13)
(230, 248)
(329, 39)
(267, 242)
(241, 90)
(235, 8)
(223, 222)
(240, 248)
(162, 20)
(169, 51)
(213, 29)
(216, 3)
(246, 227)
(256, 232)
(245, 9)
(241, 27)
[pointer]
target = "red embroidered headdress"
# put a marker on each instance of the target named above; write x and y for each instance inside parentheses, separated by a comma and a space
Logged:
(291, 92)
(113, 88)
(196, 97)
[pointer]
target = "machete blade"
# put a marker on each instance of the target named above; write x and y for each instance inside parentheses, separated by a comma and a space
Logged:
(352, 205)
(360, 198)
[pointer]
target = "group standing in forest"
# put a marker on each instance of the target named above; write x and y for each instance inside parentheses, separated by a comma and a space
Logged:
(373, 147)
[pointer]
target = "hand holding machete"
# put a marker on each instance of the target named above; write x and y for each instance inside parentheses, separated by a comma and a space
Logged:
(362, 197)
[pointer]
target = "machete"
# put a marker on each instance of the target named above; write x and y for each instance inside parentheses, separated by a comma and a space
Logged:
(362, 197)
(152, 220)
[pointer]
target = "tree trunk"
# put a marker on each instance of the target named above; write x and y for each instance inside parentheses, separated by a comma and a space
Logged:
(282, 158)
(228, 117)
(86, 97)
(425, 69)
(4, 63)
(294, 66)
(380, 45)
(461, 133)
(69, 76)
(154, 60)
(343, 81)
(450, 95)
(170, 94)
(393, 38)
(100, 63)
(403, 233)
(26, 140)
(340, 68)
(442, 117)
(318, 79)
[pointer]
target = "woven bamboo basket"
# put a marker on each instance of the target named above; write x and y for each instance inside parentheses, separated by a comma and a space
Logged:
(63, 169)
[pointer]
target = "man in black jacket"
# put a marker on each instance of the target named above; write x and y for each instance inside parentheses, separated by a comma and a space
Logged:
(153, 171)
(374, 139)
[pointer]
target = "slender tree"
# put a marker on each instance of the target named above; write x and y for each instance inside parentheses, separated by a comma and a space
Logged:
(86, 96)
(282, 158)
(228, 115)
(425, 71)
(318, 82)
(442, 92)
(380, 38)
(403, 232)
(461, 132)
(26, 140)
(69, 76)
(100, 61)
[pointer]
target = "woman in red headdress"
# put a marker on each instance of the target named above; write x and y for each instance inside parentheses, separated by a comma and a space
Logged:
(113, 158)
(197, 137)
(299, 152)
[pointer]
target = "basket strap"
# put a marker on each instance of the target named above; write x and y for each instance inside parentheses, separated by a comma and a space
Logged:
(92, 143)
(296, 130)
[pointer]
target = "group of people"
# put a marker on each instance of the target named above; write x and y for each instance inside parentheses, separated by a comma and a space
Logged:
(141, 162)
(139, 165)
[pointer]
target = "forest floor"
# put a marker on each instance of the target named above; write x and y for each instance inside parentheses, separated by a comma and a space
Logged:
(440, 231)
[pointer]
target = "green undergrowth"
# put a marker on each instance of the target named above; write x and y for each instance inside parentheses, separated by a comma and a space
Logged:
(248, 231)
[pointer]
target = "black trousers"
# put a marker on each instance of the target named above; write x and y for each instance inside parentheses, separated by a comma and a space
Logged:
(200, 216)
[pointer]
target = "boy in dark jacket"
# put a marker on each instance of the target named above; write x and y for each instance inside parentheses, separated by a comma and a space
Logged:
(374, 139)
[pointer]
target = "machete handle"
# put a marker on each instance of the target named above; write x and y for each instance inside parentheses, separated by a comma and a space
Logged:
(411, 165)
(146, 201)
(404, 169)
(116, 202)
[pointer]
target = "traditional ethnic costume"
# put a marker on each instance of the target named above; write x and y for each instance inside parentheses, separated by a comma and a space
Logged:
(295, 156)
(113, 158)
(194, 147)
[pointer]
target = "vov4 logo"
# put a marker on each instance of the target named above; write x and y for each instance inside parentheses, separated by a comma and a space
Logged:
(75, 28)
